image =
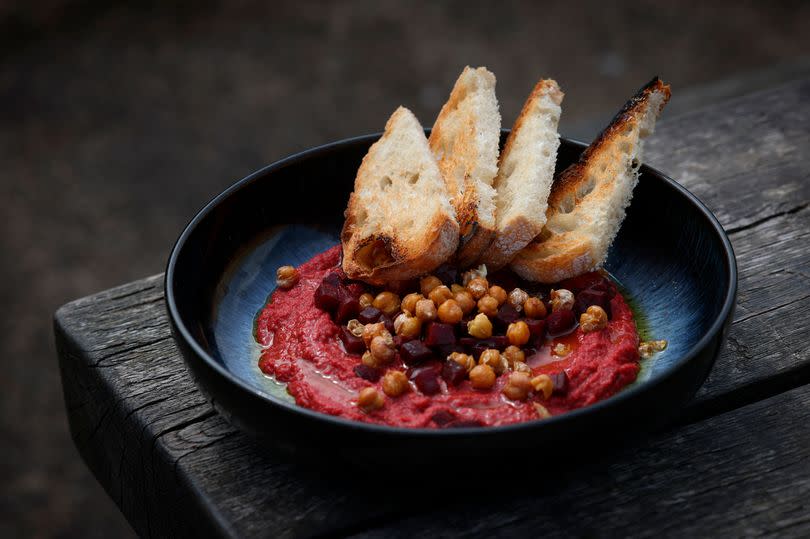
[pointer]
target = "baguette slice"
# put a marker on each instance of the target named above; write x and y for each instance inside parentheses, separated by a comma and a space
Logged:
(588, 199)
(399, 221)
(525, 174)
(465, 140)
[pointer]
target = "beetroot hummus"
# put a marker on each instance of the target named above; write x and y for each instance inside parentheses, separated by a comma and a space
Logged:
(302, 347)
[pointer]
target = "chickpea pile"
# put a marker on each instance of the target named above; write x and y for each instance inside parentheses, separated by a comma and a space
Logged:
(474, 305)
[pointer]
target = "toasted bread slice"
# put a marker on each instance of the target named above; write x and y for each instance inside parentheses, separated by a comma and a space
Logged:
(465, 140)
(399, 221)
(525, 174)
(588, 200)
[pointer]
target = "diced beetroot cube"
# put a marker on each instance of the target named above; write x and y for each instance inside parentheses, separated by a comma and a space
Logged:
(426, 380)
(413, 352)
(447, 273)
(389, 324)
(453, 373)
(536, 327)
(327, 297)
(560, 322)
(355, 289)
(444, 350)
(442, 418)
(592, 279)
(348, 309)
(369, 315)
(589, 297)
(507, 314)
(438, 333)
(352, 344)
(372, 374)
(332, 278)
(559, 381)
(399, 340)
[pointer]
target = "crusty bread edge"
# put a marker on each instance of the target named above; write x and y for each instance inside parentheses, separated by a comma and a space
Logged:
(518, 233)
(574, 260)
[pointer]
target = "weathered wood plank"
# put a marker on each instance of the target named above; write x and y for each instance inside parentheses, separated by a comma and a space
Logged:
(740, 474)
(175, 467)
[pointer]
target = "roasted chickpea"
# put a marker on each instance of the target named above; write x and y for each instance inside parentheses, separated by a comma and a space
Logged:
(368, 360)
(561, 349)
(534, 308)
(408, 304)
(513, 355)
(287, 277)
(440, 294)
(373, 330)
(370, 399)
(518, 333)
(593, 319)
(395, 383)
(478, 287)
(387, 302)
(541, 410)
(355, 327)
(474, 273)
(407, 326)
(456, 288)
(382, 351)
(498, 293)
(519, 366)
(494, 359)
(482, 377)
(517, 298)
(488, 305)
(450, 312)
(366, 300)
(428, 283)
(426, 310)
(465, 301)
(480, 327)
(543, 385)
(518, 386)
(561, 300)
(646, 349)
(465, 360)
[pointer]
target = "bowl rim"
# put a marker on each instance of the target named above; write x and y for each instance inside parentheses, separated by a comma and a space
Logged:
(181, 331)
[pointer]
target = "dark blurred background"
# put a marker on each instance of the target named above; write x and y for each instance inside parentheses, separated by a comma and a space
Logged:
(117, 122)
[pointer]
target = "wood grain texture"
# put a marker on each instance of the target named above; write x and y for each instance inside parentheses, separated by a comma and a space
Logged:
(175, 467)
(740, 474)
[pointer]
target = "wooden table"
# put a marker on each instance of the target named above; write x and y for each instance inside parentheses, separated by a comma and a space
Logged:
(737, 463)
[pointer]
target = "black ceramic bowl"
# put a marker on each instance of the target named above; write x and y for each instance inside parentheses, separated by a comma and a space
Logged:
(672, 258)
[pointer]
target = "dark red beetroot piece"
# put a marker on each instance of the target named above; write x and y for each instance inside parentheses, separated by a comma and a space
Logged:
(443, 418)
(444, 350)
(559, 381)
(507, 314)
(369, 315)
(352, 344)
(592, 296)
(536, 327)
(372, 374)
(389, 324)
(327, 297)
(447, 274)
(453, 373)
(438, 333)
(560, 322)
(426, 380)
(348, 309)
(414, 352)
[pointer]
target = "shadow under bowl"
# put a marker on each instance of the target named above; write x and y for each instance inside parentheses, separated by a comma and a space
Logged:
(672, 258)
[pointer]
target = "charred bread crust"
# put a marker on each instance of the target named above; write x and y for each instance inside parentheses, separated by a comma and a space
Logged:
(556, 255)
